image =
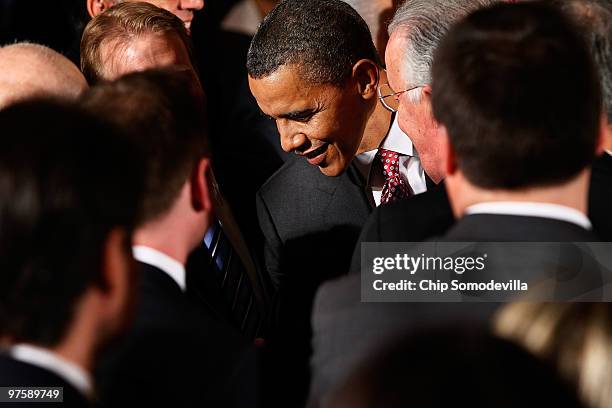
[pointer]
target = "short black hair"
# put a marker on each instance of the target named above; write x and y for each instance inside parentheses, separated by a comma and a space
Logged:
(325, 38)
(162, 111)
(66, 180)
(519, 94)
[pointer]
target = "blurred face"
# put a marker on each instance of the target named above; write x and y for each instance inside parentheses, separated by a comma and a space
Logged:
(151, 51)
(183, 9)
(322, 123)
(415, 118)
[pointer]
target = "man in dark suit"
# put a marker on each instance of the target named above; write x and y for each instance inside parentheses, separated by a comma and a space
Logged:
(314, 69)
(517, 164)
(181, 345)
(67, 272)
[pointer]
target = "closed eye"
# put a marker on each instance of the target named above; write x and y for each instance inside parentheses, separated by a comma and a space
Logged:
(299, 116)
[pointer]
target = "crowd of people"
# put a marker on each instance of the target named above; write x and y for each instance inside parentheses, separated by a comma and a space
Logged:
(181, 221)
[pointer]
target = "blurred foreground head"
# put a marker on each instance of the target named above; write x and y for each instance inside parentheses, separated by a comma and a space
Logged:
(162, 112)
(68, 200)
(575, 337)
(454, 368)
(32, 70)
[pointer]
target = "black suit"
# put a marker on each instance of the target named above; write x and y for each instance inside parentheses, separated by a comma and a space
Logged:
(176, 354)
(416, 219)
(14, 373)
(600, 197)
(311, 223)
(341, 319)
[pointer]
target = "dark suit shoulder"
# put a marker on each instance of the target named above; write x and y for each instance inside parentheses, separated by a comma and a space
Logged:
(295, 174)
(16, 373)
(417, 218)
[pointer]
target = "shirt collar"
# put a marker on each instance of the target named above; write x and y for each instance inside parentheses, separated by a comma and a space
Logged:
(529, 209)
(46, 359)
(609, 152)
(170, 266)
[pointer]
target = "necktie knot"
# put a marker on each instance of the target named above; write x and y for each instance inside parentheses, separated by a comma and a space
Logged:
(395, 187)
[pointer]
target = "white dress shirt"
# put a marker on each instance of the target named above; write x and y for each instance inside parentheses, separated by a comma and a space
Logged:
(529, 209)
(170, 266)
(46, 359)
(410, 167)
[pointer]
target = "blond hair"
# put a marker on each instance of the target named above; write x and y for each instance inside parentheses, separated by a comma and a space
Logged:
(575, 337)
(120, 25)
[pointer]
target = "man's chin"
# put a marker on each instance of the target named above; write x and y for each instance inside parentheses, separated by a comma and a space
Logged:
(332, 170)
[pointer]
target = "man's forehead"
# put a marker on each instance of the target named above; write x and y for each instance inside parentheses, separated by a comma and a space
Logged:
(286, 90)
(146, 51)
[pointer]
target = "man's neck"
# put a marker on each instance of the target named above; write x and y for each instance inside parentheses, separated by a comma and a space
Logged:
(376, 129)
(378, 123)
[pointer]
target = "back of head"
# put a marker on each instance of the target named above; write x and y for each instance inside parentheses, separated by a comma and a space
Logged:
(107, 36)
(32, 70)
(325, 38)
(594, 20)
(66, 180)
(423, 24)
(454, 368)
(162, 112)
(519, 95)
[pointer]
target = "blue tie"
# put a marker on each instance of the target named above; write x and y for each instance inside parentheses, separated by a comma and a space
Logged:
(234, 281)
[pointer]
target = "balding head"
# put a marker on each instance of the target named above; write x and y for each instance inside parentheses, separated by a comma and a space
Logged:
(31, 70)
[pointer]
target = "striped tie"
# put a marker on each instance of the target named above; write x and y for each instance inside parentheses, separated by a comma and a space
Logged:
(234, 281)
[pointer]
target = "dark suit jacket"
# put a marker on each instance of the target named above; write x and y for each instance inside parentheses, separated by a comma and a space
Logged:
(14, 373)
(176, 354)
(416, 219)
(311, 223)
(600, 197)
(341, 319)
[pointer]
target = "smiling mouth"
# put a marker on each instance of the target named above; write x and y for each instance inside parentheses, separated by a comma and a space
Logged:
(316, 156)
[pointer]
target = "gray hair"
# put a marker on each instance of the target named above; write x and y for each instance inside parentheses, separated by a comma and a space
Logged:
(423, 24)
(594, 19)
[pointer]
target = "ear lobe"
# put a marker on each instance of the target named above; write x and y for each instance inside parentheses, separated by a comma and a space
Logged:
(366, 75)
(203, 186)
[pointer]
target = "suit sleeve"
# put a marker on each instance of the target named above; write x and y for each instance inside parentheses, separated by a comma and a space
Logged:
(273, 245)
(369, 233)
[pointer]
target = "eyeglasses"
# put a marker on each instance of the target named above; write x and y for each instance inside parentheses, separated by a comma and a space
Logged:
(391, 99)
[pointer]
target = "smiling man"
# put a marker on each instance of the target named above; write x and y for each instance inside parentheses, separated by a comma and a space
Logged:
(313, 69)
(183, 9)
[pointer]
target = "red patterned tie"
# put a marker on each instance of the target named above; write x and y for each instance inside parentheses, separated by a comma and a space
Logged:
(394, 188)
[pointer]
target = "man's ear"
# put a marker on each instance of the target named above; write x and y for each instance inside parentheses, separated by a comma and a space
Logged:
(118, 277)
(366, 76)
(95, 7)
(450, 159)
(604, 140)
(202, 186)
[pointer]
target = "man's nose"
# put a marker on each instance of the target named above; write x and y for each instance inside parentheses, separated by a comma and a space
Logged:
(192, 4)
(290, 139)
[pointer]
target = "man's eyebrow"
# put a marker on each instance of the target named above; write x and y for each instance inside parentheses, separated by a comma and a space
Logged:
(296, 115)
